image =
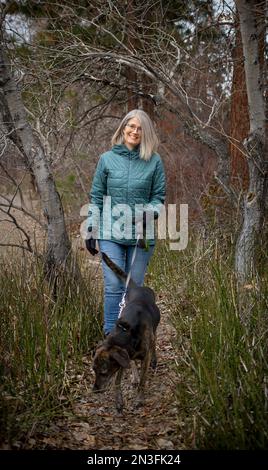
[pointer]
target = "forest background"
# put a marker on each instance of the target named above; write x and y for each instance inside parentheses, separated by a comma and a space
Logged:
(69, 73)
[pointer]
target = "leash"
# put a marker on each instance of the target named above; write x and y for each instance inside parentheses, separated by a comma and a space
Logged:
(132, 261)
(122, 304)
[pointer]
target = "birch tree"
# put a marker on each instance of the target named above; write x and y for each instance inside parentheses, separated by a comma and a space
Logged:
(251, 24)
(28, 143)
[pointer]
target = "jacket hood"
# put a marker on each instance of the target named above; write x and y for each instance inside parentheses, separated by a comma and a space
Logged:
(121, 149)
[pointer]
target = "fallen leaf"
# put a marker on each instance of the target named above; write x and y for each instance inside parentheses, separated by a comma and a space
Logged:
(164, 444)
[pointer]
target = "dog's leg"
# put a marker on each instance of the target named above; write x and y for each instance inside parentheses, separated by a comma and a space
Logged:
(118, 391)
(135, 375)
(144, 369)
(153, 362)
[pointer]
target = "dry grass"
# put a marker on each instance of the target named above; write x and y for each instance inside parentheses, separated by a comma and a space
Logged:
(221, 364)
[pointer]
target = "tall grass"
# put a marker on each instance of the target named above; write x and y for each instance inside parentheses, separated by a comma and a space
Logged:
(42, 342)
(222, 365)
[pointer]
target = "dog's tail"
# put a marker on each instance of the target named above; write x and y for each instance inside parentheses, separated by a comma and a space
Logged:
(118, 271)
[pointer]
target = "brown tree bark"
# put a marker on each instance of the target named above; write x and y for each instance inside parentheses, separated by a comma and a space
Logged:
(239, 121)
(139, 85)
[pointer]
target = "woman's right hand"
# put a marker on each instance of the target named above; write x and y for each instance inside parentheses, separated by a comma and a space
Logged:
(91, 246)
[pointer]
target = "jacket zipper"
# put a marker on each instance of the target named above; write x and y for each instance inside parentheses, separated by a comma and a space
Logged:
(128, 176)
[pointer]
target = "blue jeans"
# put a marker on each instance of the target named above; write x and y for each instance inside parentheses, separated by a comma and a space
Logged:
(114, 288)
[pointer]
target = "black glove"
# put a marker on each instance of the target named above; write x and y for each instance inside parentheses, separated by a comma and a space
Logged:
(141, 243)
(91, 245)
(152, 215)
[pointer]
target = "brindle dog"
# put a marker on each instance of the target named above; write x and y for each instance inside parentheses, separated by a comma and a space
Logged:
(132, 338)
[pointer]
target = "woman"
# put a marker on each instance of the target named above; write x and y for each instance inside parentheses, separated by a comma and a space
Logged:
(129, 179)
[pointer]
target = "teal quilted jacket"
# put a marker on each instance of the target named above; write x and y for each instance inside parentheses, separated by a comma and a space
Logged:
(123, 178)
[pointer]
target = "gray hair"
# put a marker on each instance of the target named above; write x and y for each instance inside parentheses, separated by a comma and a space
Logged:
(149, 140)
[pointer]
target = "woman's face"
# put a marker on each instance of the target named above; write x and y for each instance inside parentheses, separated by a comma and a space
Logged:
(132, 133)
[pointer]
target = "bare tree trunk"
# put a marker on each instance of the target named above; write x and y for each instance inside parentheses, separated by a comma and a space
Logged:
(254, 202)
(58, 244)
(239, 120)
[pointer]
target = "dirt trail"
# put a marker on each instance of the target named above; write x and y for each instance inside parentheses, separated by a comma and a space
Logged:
(93, 422)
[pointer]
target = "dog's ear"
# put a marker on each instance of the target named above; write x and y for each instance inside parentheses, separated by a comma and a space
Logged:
(121, 356)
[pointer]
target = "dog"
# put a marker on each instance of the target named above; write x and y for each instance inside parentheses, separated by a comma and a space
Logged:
(133, 338)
